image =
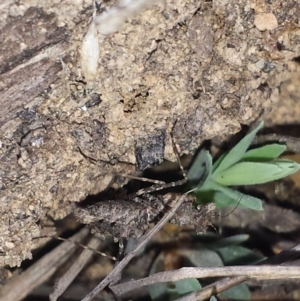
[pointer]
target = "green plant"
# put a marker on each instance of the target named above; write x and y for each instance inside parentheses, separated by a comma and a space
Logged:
(210, 182)
(217, 252)
(238, 167)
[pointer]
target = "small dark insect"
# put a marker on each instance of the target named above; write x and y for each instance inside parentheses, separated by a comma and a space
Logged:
(131, 216)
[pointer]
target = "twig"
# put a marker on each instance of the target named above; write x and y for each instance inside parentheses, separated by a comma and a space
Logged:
(228, 282)
(257, 272)
(224, 284)
(123, 263)
(74, 270)
(21, 285)
(214, 288)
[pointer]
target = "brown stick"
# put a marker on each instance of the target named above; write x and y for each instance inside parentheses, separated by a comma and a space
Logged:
(214, 288)
(257, 272)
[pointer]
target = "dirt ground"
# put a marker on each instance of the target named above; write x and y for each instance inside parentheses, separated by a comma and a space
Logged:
(206, 66)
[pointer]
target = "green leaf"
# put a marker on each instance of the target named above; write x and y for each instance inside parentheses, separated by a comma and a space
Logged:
(222, 200)
(186, 286)
(244, 200)
(238, 255)
(238, 292)
(223, 196)
(200, 169)
(183, 287)
(208, 185)
(251, 173)
(232, 198)
(205, 238)
(218, 162)
(204, 197)
(264, 153)
(157, 291)
(202, 257)
(238, 151)
(228, 241)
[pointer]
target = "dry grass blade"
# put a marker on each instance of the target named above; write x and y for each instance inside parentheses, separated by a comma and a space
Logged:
(74, 270)
(21, 285)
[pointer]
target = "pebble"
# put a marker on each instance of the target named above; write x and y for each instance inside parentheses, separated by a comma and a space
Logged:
(265, 21)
